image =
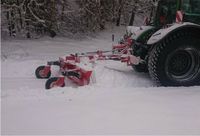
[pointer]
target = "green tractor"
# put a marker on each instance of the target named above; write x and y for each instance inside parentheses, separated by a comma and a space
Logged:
(168, 46)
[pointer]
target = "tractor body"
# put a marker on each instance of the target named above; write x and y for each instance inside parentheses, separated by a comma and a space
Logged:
(169, 44)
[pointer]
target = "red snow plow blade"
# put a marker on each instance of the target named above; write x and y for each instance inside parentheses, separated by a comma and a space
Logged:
(76, 74)
(69, 65)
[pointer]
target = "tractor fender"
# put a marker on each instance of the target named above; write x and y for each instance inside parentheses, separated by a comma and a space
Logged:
(162, 33)
(136, 32)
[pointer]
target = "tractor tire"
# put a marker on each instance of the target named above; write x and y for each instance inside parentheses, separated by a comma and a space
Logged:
(140, 68)
(51, 81)
(39, 75)
(176, 60)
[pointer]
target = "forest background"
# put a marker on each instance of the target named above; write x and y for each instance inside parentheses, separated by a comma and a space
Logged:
(36, 18)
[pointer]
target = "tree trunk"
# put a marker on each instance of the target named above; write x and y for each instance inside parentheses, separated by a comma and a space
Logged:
(20, 15)
(132, 18)
(9, 23)
(119, 12)
(53, 23)
(119, 17)
(101, 15)
(53, 13)
(113, 11)
(63, 10)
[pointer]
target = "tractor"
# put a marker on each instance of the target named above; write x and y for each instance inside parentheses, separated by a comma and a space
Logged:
(168, 45)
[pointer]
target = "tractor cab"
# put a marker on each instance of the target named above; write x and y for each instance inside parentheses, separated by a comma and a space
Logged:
(166, 11)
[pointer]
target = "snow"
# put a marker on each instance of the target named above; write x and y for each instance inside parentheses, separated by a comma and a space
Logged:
(121, 101)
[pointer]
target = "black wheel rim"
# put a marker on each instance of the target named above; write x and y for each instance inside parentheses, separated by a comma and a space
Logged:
(183, 64)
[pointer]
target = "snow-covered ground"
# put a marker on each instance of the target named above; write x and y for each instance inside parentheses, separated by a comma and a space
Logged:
(120, 102)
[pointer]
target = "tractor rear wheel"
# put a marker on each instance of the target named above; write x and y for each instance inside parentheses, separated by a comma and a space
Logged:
(176, 61)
